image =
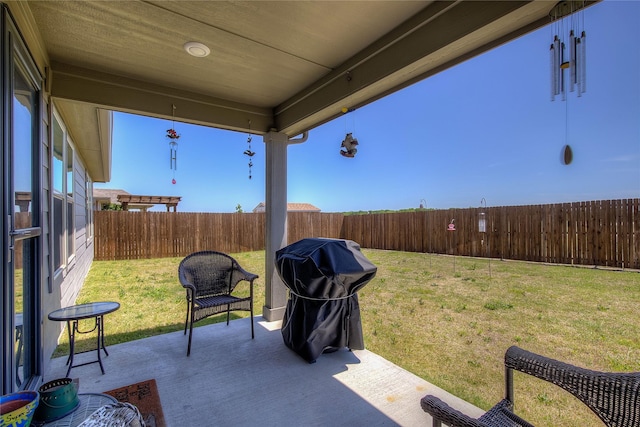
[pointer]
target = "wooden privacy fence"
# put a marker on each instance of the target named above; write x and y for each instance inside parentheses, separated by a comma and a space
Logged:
(137, 235)
(602, 233)
(22, 220)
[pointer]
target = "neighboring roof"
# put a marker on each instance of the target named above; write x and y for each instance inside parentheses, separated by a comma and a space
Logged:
(291, 207)
(107, 194)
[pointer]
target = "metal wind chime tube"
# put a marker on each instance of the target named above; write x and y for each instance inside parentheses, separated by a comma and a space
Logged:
(173, 159)
(582, 65)
(572, 61)
(173, 145)
(576, 65)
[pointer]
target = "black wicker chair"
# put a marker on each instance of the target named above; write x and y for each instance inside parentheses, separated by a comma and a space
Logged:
(614, 397)
(210, 278)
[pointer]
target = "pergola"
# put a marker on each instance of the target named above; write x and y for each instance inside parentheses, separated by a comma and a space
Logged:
(171, 202)
(275, 68)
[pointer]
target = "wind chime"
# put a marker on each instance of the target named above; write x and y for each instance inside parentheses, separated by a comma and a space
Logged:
(567, 17)
(248, 151)
(349, 143)
(173, 137)
(576, 63)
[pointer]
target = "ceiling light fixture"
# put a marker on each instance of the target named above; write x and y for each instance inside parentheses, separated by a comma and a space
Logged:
(196, 49)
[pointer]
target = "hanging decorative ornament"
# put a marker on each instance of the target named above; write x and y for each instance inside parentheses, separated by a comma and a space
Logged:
(349, 143)
(567, 18)
(173, 137)
(576, 63)
(248, 151)
(567, 155)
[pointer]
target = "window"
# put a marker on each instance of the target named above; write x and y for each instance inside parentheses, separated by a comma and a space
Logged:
(58, 188)
(63, 200)
(71, 235)
(89, 207)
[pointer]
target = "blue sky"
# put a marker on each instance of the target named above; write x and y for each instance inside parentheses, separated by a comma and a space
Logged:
(483, 129)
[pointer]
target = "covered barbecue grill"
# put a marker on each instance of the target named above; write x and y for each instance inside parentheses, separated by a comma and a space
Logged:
(323, 276)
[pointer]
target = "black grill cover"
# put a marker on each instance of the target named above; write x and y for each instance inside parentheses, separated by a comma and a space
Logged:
(323, 312)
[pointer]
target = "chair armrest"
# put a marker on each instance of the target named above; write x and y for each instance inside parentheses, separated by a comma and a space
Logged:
(250, 277)
(545, 368)
(612, 396)
(440, 411)
(188, 286)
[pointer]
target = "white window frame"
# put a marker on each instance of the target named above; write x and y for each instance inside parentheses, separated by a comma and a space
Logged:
(89, 208)
(67, 179)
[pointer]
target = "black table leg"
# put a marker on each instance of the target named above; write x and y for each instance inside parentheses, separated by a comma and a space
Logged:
(74, 328)
(102, 335)
(71, 329)
(18, 354)
(100, 341)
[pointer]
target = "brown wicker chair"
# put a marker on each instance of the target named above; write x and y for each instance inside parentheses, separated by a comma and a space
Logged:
(614, 397)
(210, 278)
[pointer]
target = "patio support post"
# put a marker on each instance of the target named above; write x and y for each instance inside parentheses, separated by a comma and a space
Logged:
(276, 222)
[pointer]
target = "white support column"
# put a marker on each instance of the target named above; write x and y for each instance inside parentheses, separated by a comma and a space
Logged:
(276, 231)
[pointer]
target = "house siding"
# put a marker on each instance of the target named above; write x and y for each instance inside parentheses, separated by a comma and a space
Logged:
(69, 281)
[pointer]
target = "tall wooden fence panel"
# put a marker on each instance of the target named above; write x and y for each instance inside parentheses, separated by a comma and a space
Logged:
(302, 225)
(601, 233)
(137, 235)
(22, 220)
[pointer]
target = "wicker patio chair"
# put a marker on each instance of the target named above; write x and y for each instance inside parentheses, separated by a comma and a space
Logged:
(614, 397)
(210, 278)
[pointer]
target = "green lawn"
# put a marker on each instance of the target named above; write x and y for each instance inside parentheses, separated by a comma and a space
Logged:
(445, 319)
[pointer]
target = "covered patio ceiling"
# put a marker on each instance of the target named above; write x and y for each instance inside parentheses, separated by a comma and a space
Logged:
(287, 66)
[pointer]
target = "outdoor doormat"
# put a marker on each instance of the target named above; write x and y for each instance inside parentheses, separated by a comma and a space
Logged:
(144, 395)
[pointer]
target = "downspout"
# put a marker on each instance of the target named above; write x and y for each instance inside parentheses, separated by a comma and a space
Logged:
(300, 140)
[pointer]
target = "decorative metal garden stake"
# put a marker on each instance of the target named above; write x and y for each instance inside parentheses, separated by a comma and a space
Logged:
(173, 145)
(482, 228)
(423, 205)
(452, 227)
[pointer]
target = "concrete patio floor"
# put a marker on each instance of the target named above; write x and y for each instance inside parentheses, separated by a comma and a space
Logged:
(230, 379)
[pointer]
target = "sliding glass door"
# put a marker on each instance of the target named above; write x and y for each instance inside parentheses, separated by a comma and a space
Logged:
(22, 228)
